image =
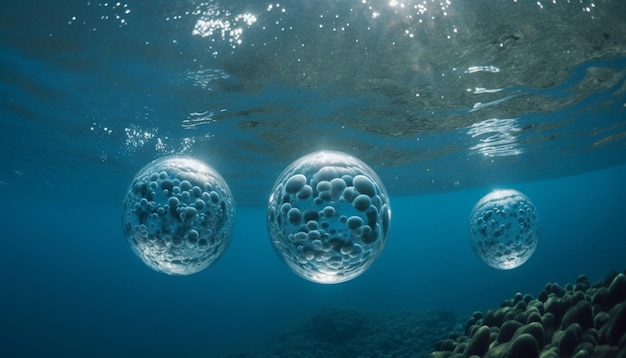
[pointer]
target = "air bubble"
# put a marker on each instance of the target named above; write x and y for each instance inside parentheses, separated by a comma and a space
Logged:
(323, 186)
(305, 192)
(337, 186)
(497, 235)
(167, 185)
(361, 202)
(294, 216)
(329, 211)
(185, 185)
(313, 239)
(177, 240)
(314, 235)
(295, 183)
(354, 222)
(364, 186)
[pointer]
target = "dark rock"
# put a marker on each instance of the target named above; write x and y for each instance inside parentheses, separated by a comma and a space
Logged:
(557, 290)
(470, 323)
(533, 317)
(581, 314)
(506, 303)
(535, 329)
(494, 317)
(460, 348)
(556, 306)
(581, 286)
(575, 320)
(533, 308)
(601, 319)
(609, 278)
(521, 317)
(536, 305)
(493, 336)
(479, 342)
(582, 354)
(582, 278)
(549, 322)
(447, 345)
(584, 347)
(497, 351)
(616, 292)
(471, 330)
(552, 352)
(509, 314)
(509, 302)
(567, 339)
(595, 309)
(617, 324)
(520, 305)
(548, 287)
(439, 355)
(599, 297)
(574, 298)
(438, 345)
(590, 336)
(605, 352)
(507, 331)
(523, 346)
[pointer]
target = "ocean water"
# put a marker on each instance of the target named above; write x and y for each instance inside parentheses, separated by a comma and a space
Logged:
(445, 100)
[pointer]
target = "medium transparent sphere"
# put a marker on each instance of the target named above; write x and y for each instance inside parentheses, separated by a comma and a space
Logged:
(328, 217)
(504, 229)
(178, 215)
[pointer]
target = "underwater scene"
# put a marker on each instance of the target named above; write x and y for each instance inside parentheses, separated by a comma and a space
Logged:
(329, 178)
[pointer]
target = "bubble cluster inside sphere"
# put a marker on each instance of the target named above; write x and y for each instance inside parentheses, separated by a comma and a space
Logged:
(328, 217)
(504, 229)
(178, 215)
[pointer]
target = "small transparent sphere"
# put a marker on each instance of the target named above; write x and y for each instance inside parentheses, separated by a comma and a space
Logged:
(328, 217)
(504, 229)
(178, 215)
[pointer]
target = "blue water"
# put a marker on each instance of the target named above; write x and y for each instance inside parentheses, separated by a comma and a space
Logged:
(72, 286)
(90, 93)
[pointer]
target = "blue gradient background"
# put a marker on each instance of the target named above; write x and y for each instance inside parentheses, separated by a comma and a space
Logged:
(72, 286)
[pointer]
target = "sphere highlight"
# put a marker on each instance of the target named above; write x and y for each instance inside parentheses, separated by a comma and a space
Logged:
(328, 217)
(504, 229)
(178, 215)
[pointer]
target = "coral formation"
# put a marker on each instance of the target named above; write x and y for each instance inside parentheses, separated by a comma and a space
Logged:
(580, 320)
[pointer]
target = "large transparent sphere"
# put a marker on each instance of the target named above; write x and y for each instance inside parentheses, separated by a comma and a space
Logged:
(328, 217)
(504, 229)
(178, 215)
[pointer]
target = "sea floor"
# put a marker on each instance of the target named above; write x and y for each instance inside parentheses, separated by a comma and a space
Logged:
(579, 319)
